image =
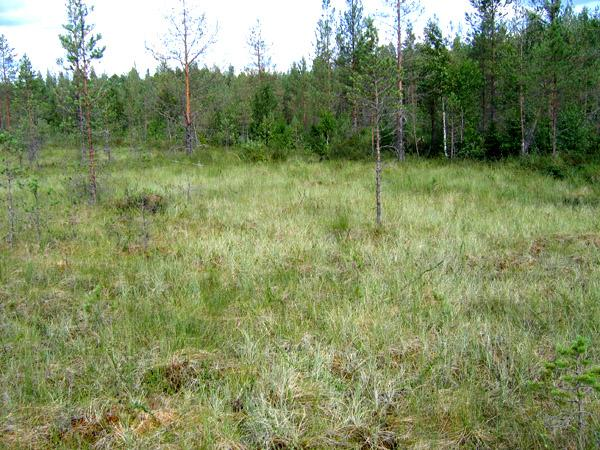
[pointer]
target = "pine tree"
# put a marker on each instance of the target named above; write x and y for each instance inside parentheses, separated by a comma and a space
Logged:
(350, 39)
(8, 71)
(30, 96)
(186, 40)
(82, 49)
(323, 63)
(259, 50)
(402, 8)
(489, 32)
(553, 54)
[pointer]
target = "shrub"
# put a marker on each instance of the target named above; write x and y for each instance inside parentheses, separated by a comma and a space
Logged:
(148, 201)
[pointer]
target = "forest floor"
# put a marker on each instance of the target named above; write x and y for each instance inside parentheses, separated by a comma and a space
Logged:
(218, 304)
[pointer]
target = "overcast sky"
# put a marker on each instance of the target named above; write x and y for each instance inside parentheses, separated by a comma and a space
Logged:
(32, 27)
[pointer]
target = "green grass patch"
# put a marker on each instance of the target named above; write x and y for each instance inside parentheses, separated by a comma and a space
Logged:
(214, 303)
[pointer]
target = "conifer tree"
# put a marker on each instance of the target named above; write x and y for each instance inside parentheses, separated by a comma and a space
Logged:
(8, 71)
(30, 92)
(82, 48)
(186, 40)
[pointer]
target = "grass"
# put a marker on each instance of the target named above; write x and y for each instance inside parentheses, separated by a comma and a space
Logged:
(259, 306)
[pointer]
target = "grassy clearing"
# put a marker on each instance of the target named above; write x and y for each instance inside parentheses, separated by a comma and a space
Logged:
(258, 307)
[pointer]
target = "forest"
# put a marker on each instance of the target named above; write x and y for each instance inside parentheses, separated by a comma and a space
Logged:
(523, 80)
(394, 244)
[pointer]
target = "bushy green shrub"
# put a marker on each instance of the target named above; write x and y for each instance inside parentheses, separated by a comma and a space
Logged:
(255, 151)
(474, 145)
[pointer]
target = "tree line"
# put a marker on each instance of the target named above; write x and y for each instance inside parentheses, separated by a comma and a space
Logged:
(524, 79)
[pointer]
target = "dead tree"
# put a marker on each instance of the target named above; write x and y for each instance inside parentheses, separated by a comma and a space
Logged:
(376, 88)
(185, 41)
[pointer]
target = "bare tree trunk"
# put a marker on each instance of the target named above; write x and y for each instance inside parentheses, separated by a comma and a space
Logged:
(554, 116)
(378, 168)
(81, 120)
(189, 143)
(413, 102)
(529, 136)
(444, 126)
(372, 141)
(7, 103)
(11, 211)
(522, 96)
(32, 145)
(91, 151)
(400, 112)
(522, 114)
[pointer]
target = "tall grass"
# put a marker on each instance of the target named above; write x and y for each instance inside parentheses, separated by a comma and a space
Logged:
(266, 310)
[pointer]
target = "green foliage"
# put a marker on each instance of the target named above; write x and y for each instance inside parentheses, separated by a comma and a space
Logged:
(572, 381)
(260, 307)
(322, 135)
(79, 41)
(498, 86)
(255, 151)
(572, 373)
(264, 105)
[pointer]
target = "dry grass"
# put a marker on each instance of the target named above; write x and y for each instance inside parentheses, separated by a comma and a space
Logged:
(258, 307)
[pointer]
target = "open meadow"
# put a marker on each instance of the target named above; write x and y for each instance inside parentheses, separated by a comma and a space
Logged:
(215, 303)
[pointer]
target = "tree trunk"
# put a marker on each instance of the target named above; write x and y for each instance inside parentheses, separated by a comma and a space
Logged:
(11, 211)
(522, 114)
(189, 143)
(378, 168)
(81, 120)
(413, 101)
(400, 112)
(32, 145)
(7, 103)
(444, 126)
(91, 152)
(554, 116)
(522, 96)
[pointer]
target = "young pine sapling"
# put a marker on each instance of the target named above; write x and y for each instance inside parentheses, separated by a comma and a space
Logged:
(572, 381)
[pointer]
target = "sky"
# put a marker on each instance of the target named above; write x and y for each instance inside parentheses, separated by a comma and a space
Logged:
(32, 27)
